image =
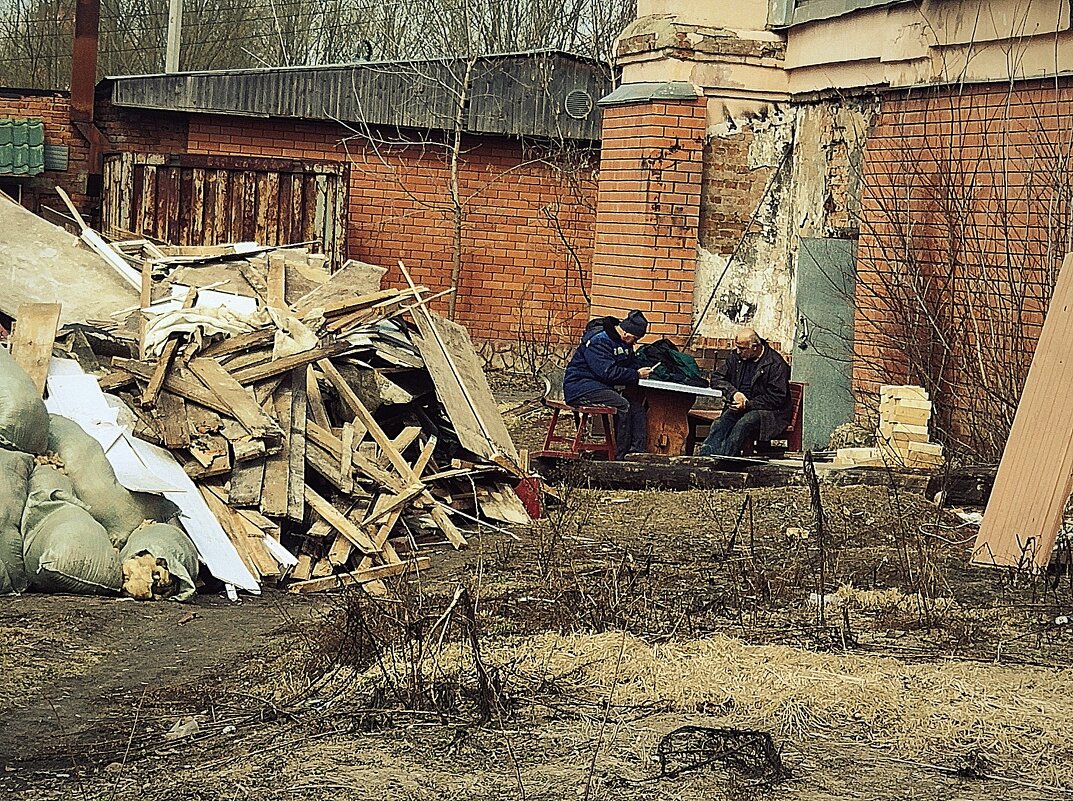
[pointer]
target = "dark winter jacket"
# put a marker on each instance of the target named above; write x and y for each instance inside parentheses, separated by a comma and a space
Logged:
(603, 361)
(770, 392)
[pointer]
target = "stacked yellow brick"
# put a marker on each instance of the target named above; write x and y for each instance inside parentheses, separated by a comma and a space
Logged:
(904, 412)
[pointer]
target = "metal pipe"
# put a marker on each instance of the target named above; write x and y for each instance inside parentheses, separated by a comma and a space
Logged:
(84, 59)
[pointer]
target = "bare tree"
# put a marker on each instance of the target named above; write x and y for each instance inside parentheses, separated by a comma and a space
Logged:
(35, 35)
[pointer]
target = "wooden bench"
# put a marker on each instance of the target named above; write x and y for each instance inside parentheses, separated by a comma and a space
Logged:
(792, 432)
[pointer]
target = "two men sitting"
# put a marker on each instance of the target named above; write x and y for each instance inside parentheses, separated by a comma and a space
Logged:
(755, 382)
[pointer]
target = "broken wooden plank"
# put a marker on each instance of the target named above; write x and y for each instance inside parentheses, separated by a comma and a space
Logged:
(274, 493)
(277, 281)
(339, 522)
(346, 457)
(242, 405)
(360, 576)
(296, 447)
(246, 481)
(160, 371)
(354, 279)
(32, 339)
(500, 502)
(241, 343)
(304, 568)
(285, 364)
(172, 420)
(316, 400)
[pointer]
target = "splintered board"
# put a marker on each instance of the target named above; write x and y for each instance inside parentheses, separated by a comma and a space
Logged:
(31, 341)
(462, 386)
(1035, 476)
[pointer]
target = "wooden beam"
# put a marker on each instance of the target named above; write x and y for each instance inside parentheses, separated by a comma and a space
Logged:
(285, 364)
(32, 339)
(339, 522)
(360, 576)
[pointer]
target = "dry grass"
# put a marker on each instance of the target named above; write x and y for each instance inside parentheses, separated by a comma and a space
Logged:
(934, 712)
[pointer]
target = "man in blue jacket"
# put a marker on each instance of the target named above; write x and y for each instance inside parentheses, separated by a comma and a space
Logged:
(605, 361)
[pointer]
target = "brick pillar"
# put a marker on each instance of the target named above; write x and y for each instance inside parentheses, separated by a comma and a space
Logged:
(648, 211)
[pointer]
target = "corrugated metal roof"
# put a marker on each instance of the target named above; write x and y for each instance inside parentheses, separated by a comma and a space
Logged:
(543, 94)
(22, 147)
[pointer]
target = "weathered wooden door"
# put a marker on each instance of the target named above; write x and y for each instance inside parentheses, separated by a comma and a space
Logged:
(210, 200)
(823, 345)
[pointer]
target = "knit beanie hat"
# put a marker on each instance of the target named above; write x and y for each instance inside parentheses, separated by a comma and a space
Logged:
(635, 323)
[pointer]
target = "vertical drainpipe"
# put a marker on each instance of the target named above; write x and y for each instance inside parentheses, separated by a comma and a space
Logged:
(83, 83)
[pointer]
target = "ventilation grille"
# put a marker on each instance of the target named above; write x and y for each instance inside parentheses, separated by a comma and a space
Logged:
(578, 104)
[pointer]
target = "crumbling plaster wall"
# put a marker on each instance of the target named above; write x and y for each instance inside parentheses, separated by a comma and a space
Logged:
(790, 171)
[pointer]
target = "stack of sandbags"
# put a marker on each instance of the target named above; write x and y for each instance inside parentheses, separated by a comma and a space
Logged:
(23, 433)
(63, 514)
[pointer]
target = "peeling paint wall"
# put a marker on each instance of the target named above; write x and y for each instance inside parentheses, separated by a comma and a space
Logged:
(769, 179)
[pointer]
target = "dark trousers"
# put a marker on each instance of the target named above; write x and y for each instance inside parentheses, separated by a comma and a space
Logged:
(631, 425)
(730, 432)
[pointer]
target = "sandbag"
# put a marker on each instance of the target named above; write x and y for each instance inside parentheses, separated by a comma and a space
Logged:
(171, 548)
(111, 504)
(23, 418)
(15, 469)
(64, 548)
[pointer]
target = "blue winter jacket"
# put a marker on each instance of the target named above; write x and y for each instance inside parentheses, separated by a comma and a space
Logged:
(603, 361)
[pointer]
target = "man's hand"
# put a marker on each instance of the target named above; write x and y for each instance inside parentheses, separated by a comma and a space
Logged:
(737, 403)
(645, 372)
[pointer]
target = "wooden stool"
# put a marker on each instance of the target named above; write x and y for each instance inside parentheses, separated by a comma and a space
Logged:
(582, 441)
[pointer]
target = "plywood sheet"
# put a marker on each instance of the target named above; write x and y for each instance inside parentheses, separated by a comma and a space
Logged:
(462, 386)
(1034, 477)
(42, 263)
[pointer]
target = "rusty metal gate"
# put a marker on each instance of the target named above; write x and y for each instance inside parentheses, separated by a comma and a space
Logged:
(210, 200)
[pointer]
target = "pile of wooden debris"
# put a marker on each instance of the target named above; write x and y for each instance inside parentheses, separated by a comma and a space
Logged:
(346, 422)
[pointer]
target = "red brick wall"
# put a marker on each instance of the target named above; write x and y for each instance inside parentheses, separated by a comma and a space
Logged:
(527, 225)
(519, 279)
(52, 108)
(647, 222)
(966, 214)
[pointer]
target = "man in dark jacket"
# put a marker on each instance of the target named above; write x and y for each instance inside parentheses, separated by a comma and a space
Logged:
(756, 383)
(604, 361)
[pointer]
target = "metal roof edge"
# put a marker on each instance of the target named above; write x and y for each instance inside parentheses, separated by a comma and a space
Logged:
(650, 91)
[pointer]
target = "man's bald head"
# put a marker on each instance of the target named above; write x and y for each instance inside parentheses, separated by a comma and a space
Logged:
(746, 337)
(748, 344)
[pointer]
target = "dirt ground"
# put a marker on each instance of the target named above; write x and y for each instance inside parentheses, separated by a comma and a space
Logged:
(565, 659)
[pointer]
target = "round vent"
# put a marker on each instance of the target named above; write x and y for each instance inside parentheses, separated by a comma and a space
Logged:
(578, 104)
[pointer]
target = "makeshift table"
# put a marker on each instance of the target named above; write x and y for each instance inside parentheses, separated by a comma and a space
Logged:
(668, 413)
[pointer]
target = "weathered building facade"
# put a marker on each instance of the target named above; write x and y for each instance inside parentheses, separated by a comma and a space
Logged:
(881, 187)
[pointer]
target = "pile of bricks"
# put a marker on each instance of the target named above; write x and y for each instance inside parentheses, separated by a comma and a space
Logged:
(904, 413)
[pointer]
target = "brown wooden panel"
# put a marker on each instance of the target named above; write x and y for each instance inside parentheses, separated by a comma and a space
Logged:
(191, 201)
(1035, 476)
